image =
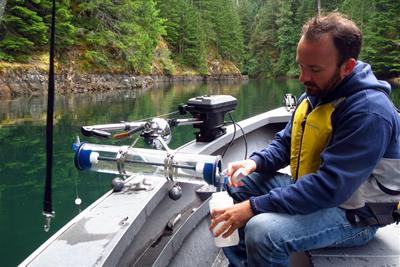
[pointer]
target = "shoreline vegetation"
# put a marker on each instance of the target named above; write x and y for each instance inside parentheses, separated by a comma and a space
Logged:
(99, 44)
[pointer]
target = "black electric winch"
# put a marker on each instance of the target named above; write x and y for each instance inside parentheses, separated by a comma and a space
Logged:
(211, 111)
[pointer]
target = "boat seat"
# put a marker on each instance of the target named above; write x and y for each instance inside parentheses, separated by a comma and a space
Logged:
(382, 250)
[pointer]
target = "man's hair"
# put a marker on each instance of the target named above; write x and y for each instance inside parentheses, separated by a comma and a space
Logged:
(347, 37)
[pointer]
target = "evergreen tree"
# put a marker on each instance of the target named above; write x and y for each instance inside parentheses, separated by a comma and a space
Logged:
(2, 6)
(235, 41)
(208, 12)
(306, 10)
(184, 33)
(247, 11)
(120, 32)
(330, 5)
(264, 40)
(260, 34)
(25, 28)
(192, 43)
(170, 11)
(287, 33)
(382, 39)
(229, 39)
(65, 27)
(358, 10)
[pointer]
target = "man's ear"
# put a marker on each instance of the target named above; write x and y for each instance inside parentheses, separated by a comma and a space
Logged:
(348, 66)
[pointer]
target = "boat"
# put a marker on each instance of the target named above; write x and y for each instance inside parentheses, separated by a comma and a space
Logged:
(161, 217)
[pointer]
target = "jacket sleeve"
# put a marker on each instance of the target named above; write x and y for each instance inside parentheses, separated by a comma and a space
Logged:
(359, 141)
(277, 154)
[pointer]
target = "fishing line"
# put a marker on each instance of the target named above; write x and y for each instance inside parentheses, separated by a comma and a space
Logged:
(78, 200)
(160, 116)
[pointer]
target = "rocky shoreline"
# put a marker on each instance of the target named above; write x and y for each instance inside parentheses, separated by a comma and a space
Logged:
(18, 82)
(35, 82)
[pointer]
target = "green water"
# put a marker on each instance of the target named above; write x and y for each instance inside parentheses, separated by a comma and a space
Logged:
(22, 149)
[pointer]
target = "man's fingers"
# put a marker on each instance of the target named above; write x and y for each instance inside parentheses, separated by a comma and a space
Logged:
(216, 218)
(216, 212)
(249, 167)
(233, 166)
(237, 184)
(224, 226)
(231, 229)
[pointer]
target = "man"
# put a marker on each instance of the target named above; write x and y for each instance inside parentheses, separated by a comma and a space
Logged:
(342, 144)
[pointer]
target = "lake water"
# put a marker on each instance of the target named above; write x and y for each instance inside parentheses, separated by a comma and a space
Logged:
(22, 148)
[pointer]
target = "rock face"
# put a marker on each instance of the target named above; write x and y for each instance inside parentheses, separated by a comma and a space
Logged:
(21, 82)
(33, 81)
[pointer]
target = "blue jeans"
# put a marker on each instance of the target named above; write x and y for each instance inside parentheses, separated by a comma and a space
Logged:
(268, 239)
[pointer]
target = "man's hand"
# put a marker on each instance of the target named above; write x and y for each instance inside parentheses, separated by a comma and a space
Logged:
(232, 218)
(248, 166)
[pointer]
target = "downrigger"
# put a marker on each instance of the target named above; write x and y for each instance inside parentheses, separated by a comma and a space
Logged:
(208, 114)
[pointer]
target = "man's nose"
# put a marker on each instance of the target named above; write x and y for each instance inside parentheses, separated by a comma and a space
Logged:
(304, 77)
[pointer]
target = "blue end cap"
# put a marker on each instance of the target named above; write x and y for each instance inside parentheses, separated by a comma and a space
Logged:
(209, 173)
(82, 158)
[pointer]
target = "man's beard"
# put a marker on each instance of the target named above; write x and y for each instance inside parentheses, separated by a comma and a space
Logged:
(322, 92)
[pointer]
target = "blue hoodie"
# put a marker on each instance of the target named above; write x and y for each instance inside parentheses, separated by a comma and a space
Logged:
(366, 127)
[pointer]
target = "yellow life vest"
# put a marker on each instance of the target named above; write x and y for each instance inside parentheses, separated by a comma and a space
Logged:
(311, 132)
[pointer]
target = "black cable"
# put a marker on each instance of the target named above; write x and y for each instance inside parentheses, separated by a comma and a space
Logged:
(244, 135)
(47, 202)
(245, 139)
(233, 137)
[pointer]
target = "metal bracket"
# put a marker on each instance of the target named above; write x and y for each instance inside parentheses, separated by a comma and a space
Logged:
(47, 217)
(290, 102)
(140, 184)
(121, 156)
(168, 169)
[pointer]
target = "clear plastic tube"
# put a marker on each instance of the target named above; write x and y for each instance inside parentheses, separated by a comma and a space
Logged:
(126, 160)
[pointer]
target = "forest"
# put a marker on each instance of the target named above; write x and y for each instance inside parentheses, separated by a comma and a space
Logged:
(165, 36)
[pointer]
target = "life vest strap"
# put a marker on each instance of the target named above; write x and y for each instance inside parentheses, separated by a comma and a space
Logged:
(387, 190)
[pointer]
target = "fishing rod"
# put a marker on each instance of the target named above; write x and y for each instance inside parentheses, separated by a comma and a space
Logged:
(48, 211)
